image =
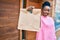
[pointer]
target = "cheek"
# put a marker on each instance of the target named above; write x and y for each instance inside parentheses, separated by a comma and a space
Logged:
(45, 12)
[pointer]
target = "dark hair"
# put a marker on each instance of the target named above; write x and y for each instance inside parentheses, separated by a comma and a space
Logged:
(46, 3)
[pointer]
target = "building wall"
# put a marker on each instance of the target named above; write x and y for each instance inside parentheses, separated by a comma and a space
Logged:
(8, 19)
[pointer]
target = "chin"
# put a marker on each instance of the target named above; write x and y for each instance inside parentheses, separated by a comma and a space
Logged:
(45, 15)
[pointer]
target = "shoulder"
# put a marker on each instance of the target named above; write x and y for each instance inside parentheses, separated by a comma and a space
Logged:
(51, 19)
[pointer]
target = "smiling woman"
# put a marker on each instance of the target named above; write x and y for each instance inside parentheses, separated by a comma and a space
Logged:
(47, 30)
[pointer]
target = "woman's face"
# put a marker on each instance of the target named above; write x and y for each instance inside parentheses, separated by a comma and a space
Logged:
(45, 10)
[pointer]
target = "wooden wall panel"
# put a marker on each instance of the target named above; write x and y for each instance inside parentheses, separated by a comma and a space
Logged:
(34, 3)
(30, 35)
(8, 19)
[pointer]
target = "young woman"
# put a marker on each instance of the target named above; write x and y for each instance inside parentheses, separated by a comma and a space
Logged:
(47, 30)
